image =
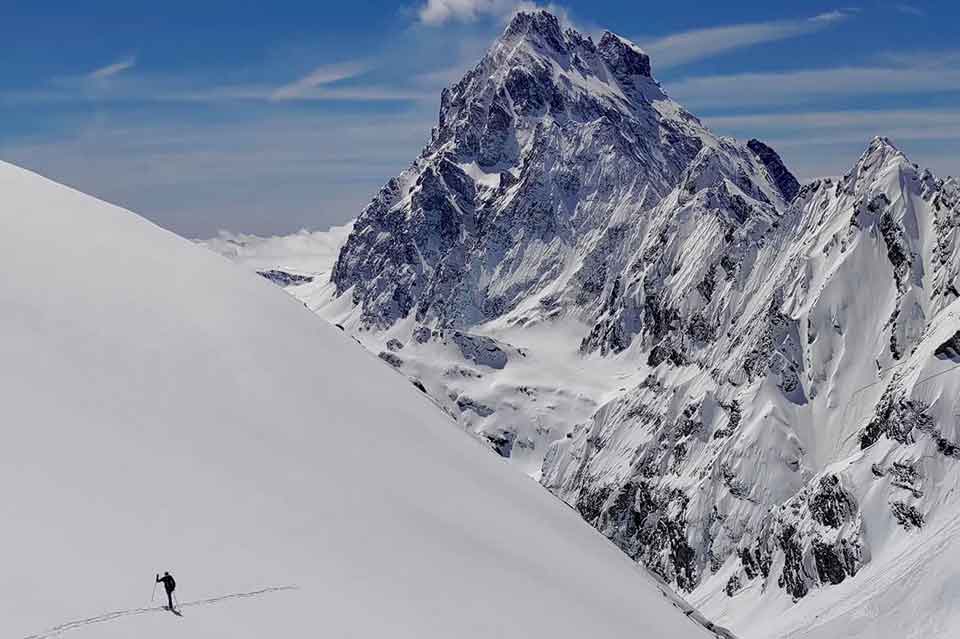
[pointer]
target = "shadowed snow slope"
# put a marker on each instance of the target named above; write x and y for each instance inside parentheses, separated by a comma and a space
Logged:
(165, 410)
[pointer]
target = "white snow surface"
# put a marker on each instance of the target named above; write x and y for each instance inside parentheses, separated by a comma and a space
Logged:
(165, 410)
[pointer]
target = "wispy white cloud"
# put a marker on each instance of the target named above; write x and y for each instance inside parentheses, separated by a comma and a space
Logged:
(807, 86)
(825, 155)
(112, 69)
(688, 46)
(837, 127)
(362, 93)
(928, 59)
(910, 9)
(319, 93)
(817, 143)
(440, 77)
(318, 86)
(326, 74)
(436, 12)
(819, 120)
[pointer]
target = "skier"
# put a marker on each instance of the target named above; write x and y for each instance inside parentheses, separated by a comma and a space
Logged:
(169, 585)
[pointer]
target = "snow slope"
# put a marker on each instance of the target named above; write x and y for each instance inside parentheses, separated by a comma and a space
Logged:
(164, 410)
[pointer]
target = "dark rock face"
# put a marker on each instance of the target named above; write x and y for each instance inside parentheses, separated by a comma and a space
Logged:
(950, 349)
(625, 59)
(733, 585)
(898, 420)
(649, 524)
(835, 562)
(391, 359)
(906, 515)
(948, 448)
(831, 505)
(755, 564)
(590, 504)
(465, 403)
(394, 345)
(733, 410)
(897, 251)
(817, 533)
(502, 442)
(480, 350)
(283, 278)
(421, 334)
(782, 177)
(793, 577)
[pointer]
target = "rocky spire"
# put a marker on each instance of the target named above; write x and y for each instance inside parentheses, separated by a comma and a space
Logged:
(539, 26)
(786, 183)
(625, 58)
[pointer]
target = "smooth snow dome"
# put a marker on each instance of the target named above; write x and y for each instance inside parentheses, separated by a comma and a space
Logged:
(166, 410)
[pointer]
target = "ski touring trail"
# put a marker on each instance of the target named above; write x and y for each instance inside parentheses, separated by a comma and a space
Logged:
(56, 631)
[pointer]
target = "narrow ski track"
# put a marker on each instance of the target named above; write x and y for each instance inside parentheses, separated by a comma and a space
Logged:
(110, 616)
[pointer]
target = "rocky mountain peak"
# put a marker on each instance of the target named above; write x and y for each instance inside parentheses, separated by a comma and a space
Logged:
(881, 151)
(546, 153)
(536, 44)
(883, 142)
(880, 160)
(540, 26)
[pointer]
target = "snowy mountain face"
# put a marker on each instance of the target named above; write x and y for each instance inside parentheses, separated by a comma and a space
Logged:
(786, 453)
(745, 383)
(546, 177)
(165, 410)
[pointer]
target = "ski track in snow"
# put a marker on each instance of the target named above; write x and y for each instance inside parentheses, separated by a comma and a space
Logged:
(56, 631)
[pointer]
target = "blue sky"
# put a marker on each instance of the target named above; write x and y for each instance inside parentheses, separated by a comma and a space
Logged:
(271, 117)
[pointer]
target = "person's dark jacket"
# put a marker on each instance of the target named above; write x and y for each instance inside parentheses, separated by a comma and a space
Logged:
(167, 581)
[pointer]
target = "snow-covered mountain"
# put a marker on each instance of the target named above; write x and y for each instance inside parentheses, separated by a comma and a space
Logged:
(165, 410)
(815, 435)
(748, 385)
(554, 161)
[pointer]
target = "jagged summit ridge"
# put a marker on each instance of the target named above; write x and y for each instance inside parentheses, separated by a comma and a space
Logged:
(543, 29)
(540, 26)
